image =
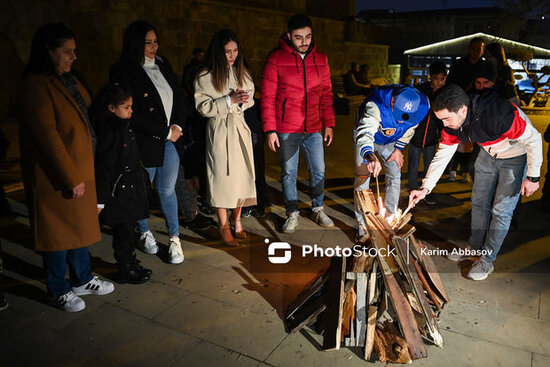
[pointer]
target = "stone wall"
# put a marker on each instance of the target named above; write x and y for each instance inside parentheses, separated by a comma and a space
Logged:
(182, 25)
(394, 73)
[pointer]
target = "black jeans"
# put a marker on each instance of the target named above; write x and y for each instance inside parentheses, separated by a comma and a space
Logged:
(124, 244)
(414, 159)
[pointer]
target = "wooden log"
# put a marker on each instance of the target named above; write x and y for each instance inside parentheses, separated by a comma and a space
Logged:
(366, 202)
(371, 327)
(361, 309)
(348, 315)
(387, 227)
(305, 295)
(426, 285)
(377, 227)
(400, 303)
(415, 248)
(404, 220)
(373, 311)
(406, 231)
(372, 283)
(431, 270)
(306, 314)
(402, 248)
(390, 346)
(334, 301)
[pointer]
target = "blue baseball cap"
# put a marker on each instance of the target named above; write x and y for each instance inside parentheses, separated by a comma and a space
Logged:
(407, 104)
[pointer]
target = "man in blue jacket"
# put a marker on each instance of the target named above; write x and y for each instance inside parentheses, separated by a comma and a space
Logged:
(385, 125)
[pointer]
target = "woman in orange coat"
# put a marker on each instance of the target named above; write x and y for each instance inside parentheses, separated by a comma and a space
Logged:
(57, 159)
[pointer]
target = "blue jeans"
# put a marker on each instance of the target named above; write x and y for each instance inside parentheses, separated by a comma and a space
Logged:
(494, 196)
(311, 145)
(164, 179)
(414, 159)
(392, 180)
(55, 266)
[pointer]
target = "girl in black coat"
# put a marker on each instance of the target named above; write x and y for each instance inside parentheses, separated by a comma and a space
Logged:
(121, 180)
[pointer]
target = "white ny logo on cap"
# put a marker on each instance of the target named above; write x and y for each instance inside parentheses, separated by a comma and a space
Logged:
(408, 106)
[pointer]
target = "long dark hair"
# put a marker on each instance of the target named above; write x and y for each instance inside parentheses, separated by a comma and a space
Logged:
(133, 44)
(46, 38)
(215, 60)
(497, 51)
(112, 94)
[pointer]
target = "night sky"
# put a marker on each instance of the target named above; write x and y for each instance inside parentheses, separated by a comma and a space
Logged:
(408, 5)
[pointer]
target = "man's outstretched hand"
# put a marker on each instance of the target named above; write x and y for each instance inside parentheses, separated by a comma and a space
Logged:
(416, 195)
(373, 164)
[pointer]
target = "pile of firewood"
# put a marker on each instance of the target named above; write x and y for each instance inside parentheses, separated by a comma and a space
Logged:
(387, 300)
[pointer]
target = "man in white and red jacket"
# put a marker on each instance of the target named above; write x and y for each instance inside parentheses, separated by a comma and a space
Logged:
(297, 114)
(507, 166)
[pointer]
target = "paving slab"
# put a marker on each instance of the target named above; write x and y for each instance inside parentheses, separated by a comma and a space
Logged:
(540, 361)
(102, 361)
(466, 351)
(304, 349)
(544, 312)
(507, 328)
(148, 299)
(208, 354)
(32, 304)
(26, 342)
(493, 294)
(222, 285)
(232, 327)
(129, 339)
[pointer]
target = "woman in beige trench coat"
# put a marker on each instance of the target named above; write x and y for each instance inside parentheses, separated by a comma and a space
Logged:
(56, 142)
(222, 92)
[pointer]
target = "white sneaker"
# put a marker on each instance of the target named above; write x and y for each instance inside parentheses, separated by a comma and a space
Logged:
(322, 219)
(480, 270)
(175, 252)
(95, 286)
(147, 243)
(456, 256)
(290, 224)
(69, 302)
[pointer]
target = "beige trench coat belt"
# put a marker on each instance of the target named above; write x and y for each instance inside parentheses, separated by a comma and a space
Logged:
(235, 129)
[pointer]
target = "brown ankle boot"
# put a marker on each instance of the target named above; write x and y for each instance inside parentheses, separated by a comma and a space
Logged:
(227, 237)
(241, 235)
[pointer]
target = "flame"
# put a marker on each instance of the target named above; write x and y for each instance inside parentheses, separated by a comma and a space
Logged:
(381, 208)
(392, 219)
(395, 218)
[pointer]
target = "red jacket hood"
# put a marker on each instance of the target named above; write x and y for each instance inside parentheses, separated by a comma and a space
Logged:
(286, 44)
(296, 92)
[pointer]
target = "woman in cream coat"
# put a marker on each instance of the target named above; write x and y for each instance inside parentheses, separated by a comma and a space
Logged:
(222, 92)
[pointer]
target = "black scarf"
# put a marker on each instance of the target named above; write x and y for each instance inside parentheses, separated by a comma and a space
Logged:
(69, 83)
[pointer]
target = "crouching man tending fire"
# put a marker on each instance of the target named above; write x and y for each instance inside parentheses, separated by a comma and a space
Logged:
(508, 165)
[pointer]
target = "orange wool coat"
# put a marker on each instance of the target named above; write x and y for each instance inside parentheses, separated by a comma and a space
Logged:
(57, 155)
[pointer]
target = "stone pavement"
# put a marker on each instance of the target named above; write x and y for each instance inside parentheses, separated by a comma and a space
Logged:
(223, 306)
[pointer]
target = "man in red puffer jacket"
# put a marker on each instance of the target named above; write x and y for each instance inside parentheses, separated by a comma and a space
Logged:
(296, 107)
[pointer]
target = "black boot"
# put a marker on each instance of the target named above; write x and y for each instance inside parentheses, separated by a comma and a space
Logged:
(133, 273)
(3, 301)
